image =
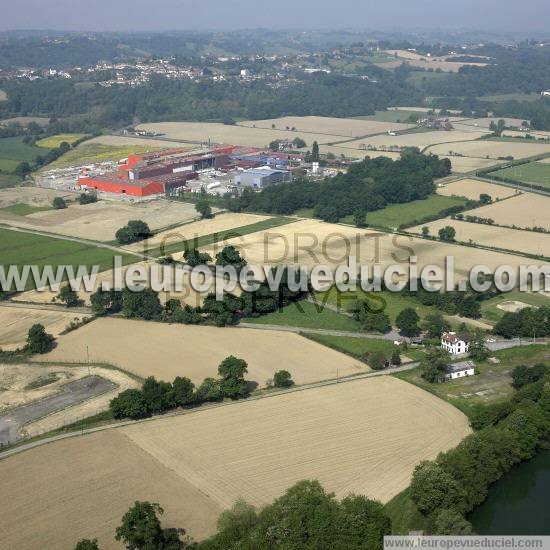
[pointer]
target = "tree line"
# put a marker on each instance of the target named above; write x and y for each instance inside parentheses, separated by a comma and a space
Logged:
(305, 516)
(446, 489)
(367, 186)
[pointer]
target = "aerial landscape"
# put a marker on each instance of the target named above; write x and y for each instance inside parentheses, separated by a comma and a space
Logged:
(273, 283)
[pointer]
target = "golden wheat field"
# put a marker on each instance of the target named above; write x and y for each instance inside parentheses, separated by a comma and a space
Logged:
(16, 322)
(361, 437)
(489, 235)
(343, 127)
(81, 487)
(202, 132)
(188, 231)
(471, 189)
(118, 141)
(312, 242)
(463, 165)
(524, 211)
(167, 351)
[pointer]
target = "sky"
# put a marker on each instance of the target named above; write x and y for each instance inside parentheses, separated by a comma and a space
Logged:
(108, 15)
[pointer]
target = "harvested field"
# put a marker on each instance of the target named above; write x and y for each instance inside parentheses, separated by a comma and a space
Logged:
(344, 127)
(524, 211)
(354, 153)
(81, 487)
(201, 132)
(98, 221)
(490, 235)
(490, 149)
(312, 242)
(16, 322)
(462, 165)
(33, 196)
(385, 427)
(485, 122)
(471, 189)
(221, 222)
(415, 139)
(167, 351)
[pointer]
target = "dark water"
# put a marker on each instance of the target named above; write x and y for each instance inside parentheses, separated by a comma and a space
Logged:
(518, 504)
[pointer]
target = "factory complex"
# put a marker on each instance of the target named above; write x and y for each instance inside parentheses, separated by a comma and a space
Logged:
(216, 170)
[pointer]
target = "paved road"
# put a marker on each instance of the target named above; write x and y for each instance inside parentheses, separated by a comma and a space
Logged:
(71, 394)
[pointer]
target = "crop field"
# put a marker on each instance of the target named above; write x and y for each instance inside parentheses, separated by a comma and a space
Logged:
(202, 132)
(18, 248)
(394, 215)
(98, 221)
(490, 149)
(140, 142)
(167, 351)
(417, 139)
(463, 165)
(354, 153)
(343, 127)
(301, 436)
(205, 232)
(472, 189)
(22, 209)
(307, 315)
(533, 172)
(312, 242)
(3, 95)
(55, 141)
(87, 153)
(489, 235)
(115, 473)
(385, 425)
(13, 151)
(524, 211)
(389, 116)
(16, 322)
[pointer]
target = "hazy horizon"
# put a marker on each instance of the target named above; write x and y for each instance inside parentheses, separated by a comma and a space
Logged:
(529, 16)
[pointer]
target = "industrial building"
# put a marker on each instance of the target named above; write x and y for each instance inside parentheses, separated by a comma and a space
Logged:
(146, 174)
(259, 178)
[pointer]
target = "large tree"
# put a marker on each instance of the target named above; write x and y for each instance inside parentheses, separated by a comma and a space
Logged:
(407, 322)
(38, 340)
(232, 383)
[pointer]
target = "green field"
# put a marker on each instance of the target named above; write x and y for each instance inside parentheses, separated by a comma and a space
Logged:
(358, 347)
(533, 172)
(21, 209)
(492, 383)
(390, 303)
(18, 248)
(491, 313)
(53, 142)
(417, 78)
(501, 98)
(408, 213)
(97, 152)
(304, 314)
(9, 180)
(13, 151)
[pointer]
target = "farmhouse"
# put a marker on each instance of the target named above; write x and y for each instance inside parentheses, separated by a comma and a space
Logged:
(459, 370)
(454, 343)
